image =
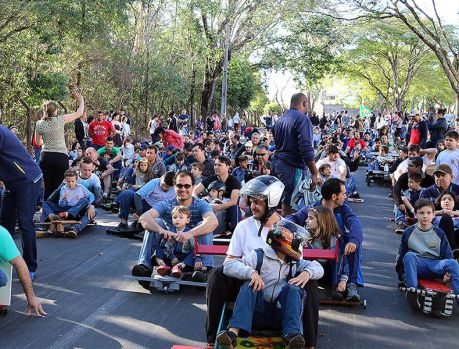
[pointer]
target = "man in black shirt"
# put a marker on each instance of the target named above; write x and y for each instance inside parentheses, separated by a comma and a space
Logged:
(228, 210)
(199, 154)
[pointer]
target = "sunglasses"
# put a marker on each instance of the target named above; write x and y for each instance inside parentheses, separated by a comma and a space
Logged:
(181, 186)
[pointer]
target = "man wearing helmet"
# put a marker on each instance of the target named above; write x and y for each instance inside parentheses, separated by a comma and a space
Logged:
(263, 195)
(226, 212)
(334, 197)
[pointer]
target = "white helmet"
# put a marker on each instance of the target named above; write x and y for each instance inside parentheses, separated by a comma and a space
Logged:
(267, 188)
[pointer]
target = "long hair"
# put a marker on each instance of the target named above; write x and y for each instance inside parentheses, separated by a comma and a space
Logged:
(148, 175)
(49, 109)
(326, 225)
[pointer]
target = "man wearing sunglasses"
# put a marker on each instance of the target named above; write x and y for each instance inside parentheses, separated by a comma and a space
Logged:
(158, 223)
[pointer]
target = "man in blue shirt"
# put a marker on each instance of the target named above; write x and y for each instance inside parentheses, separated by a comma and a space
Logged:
(294, 149)
(334, 197)
(23, 180)
(158, 222)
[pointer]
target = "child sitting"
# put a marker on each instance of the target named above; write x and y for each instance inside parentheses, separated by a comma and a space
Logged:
(128, 151)
(425, 252)
(382, 160)
(142, 174)
(73, 200)
(321, 224)
(179, 163)
(216, 190)
(196, 171)
(409, 198)
(242, 170)
(272, 296)
(174, 257)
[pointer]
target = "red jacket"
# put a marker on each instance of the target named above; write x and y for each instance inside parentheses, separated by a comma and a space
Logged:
(170, 137)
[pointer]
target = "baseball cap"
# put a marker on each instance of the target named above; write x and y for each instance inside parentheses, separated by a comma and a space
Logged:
(444, 169)
(170, 148)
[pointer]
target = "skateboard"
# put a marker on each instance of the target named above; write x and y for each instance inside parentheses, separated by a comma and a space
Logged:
(57, 228)
(377, 175)
(168, 283)
(431, 297)
(5, 291)
(134, 231)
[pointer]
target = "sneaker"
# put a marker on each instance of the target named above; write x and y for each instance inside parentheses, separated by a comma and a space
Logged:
(71, 233)
(352, 294)
(227, 339)
(336, 295)
(135, 216)
(293, 341)
(199, 276)
(354, 195)
(402, 225)
(142, 271)
(63, 215)
(163, 270)
(177, 271)
(123, 226)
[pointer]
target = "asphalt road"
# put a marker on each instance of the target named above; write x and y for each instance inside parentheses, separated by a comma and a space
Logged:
(91, 305)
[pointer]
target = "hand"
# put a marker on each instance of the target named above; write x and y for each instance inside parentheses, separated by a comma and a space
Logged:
(313, 184)
(76, 94)
(402, 207)
(256, 282)
(349, 248)
(91, 212)
(300, 280)
(182, 237)
(341, 287)
(35, 306)
(198, 265)
(166, 234)
(447, 277)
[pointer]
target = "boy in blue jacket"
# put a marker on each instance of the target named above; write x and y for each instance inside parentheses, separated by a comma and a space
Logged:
(425, 252)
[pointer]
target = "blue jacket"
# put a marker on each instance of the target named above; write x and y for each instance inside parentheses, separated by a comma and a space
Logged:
(348, 222)
(293, 137)
(445, 249)
(17, 167)
(433, 192)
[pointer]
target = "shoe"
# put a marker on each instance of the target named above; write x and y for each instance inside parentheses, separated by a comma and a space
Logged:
(336, 295)
(32, 275)
(352, 294)
(177, 271)
(390, 195)
(293, 341)
(71, 233)
(163, 270)
(354, 195)
(63, 216)
(123, 226)
(227, 339)
(402, 225)
(142, 271)
(199, 276)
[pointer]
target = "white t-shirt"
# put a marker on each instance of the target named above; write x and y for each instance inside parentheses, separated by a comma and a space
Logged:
(245, 238)
(451, 158)
(403, 166)
(153, 125)
(338, 167)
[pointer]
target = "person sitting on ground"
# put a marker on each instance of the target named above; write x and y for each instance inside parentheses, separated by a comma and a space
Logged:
(196, 169)
(410, 196)
(127, 179)
(157, 167)
(334, 197)
(450, 156)
(153, 192)
(169, 137)
(179, 164)
(425, 252)
(142, 174)
(10, 253)
(324, 231)
(263, 195)
(103, 169)
(174, 257)
(158, 220)
(427, 155)
(447, 219)
(382, 161)
(279, 280)
(240, 172)
(216, 190)
(200, 156)
(338, 166)
(414, 166)
(444, 178)
(226, 212)
(115, 156)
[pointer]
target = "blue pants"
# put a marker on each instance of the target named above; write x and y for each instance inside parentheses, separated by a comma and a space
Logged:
(399, 215)
(168, 255)
(118, 166)
(3, 278)
(429, 268)
(84, 221)
(151, 246)
(251, 309)
(287, 175)
(19, 206)
(350, 186)
(75, 212)
(130, 199)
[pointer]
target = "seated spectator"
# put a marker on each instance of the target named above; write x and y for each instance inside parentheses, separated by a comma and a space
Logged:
(128, 151)
(241, 171)
(333, 197)
(443, 176)
(158, 222)
(157, 167)
(428, 157)
(103, 169)
(450, 156)
(228, 211)
(169, 137)
(382, 161)
(196, 170)
(447, 219)
(425, 252)
(414, 166)
(153, 192)
(338, 166)
(411, 195)
(179, 164)
(10, 253)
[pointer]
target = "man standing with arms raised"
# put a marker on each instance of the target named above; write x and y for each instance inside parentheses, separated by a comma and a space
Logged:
(294, 149)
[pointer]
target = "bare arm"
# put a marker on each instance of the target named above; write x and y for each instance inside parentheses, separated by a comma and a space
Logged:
(231, 202)
(198, 190)
(73, 116)
(430, 152)
(24, 276)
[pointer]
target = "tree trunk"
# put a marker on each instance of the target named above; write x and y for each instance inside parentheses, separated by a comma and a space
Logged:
(457, 104)
(28, 124)
(208, 92)
(192, 96)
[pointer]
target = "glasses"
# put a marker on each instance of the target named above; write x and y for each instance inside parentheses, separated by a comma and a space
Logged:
(181, 186)
(261, 154)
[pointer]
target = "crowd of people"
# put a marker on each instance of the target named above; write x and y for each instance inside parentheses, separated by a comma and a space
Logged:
(271, 189)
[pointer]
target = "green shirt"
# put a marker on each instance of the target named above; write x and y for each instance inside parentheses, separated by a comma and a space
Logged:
(8, 249)
(115, 151)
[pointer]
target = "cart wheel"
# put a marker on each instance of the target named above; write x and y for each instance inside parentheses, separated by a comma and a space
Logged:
(3, 310)
(166, 289)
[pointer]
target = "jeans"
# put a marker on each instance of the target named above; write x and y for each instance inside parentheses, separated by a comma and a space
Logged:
(399, 215)
(74, 211)
(251, 309)
(350, 186)
(287, 175)
(129, 199)
(3, 278)
(429, 268)
(19, 206)
(222, 288)
(84, 221)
